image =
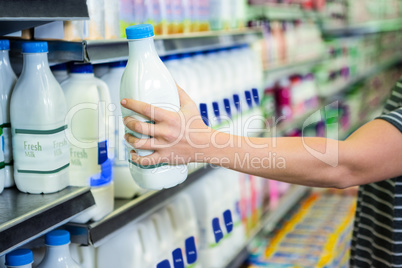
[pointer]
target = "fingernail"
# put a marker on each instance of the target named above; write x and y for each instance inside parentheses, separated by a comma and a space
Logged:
(123, 102)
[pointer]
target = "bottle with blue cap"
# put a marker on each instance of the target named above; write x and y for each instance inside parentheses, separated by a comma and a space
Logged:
(88, 101)
(38, 111)
(57, 251)
(8, 80)
(147, 79)
(21, 258)
(60, 72)
(124, 186)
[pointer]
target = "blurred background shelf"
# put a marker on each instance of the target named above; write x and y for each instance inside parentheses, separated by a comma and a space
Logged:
(25, 217)
(17, 15)
(365, 28)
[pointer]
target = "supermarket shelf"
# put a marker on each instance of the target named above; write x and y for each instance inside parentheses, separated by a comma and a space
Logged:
(34, 13)
(280, 11)
(126, 211)
(365, 28)
(291, 67)
(333, 94)
(270, 221)
(103, 51)
(25, 217)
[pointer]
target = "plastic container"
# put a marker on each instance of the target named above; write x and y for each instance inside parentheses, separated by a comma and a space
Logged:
(103, 193)
(21, 258)
(60, 72)
(38, 113)
(147, 79)
(87, 99)
(124, 186)
(8, 80)
(57, 251)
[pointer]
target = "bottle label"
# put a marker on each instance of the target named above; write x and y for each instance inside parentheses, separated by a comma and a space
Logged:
(41, 151)
(178, 258)
(191, 250)
(163, 264)
(216, 227)
(227, 217)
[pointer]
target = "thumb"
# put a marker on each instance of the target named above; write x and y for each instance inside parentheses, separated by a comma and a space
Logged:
(183, 96)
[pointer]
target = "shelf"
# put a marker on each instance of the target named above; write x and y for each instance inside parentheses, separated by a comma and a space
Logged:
(126, 211)
(295, 66)
(270, 220)
(365, 28)
(103, 51)
(280, 11)
(16, 15)
(333, 94)
(25, 217)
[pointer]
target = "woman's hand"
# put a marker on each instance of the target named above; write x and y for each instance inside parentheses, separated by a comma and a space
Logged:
(175, 136)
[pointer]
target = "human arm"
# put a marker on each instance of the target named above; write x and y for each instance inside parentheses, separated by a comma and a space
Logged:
(372, 153)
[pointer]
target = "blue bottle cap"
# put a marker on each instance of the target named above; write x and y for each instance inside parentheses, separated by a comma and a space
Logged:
(57, 238)
(59, 67)
(19, 257)
(172, 57)
(118, 64)
(139, 31)
(34, 47)
(81, 68)
(185, 55)
(4, 44)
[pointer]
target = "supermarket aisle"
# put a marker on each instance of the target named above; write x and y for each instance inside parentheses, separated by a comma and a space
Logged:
(262, 68)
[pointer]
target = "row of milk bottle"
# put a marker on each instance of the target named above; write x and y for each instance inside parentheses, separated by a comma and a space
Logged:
(226, 85)
(205, 225)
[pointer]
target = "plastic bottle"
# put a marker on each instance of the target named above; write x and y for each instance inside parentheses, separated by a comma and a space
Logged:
(58, 251)
(21, 258)
(8, 80)
(147, 79)
(60, 72)
(87, 99)
(40, 146)
(124, 186)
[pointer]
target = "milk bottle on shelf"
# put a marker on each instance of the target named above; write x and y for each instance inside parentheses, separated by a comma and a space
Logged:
(57, 251)
(147, 79)
(40, 146)
(21, 258)
(8, 80)
(60, 72)
(124, 185)
(87, 99)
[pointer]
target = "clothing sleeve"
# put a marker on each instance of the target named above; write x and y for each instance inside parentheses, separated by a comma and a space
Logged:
(394, 118)
(395, 100)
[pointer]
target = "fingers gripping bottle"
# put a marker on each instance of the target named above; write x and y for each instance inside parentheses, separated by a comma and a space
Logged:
(147, 79)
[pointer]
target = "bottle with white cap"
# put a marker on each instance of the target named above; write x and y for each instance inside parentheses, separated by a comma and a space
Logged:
(57, 251)
(21, 258)
(8, 80)
(38, 110)
(147, 79)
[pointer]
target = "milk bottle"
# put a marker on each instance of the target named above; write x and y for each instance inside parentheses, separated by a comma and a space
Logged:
(57, 251)
(147, 79)
(124, 185)
(22, 258)
(60, 72)
(38, 110)
(8, 80)
(87, 98)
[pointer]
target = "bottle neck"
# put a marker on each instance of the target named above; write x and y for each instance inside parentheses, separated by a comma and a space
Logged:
(35, 62)
(60, 252)
(82, 75)
(5, 59)
(144, 48)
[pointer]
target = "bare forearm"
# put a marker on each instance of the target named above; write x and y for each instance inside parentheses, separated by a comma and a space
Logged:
(306, 161)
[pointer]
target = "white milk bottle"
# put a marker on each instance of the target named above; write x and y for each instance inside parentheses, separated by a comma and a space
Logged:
(40, 146)
(124, 185)
(147, 79)
(87, 99)
(2, 164)
(8, 80)
(57, 251)
(21, 258)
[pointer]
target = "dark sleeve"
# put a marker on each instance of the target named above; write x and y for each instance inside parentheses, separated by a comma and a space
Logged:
(395, 100)
(394, 118)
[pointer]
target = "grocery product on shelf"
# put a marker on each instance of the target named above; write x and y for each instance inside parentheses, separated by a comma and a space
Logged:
(87, 98)
(146, 86)
(21, 258)
(57, 251)
(60, 72)
(8, 79)
(40, 146)
(124, 185)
